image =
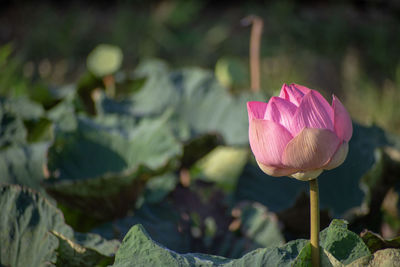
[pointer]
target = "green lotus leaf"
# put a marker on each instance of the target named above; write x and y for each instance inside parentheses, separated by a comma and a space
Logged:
(33, 233)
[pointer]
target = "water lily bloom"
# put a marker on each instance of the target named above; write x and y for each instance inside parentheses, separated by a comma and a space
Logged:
(298, 134)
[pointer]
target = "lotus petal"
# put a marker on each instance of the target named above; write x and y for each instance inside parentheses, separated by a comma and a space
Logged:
(293, 94)
(302, 88)
(280, 111)
(339, 156)
(313, 112)
(256, 109)
(342, 120)
(275, 171)
(311, 149)
(268, 141)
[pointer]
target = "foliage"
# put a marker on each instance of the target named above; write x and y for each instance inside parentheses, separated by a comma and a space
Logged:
(34, 234)
(160, 158)
(340, 247)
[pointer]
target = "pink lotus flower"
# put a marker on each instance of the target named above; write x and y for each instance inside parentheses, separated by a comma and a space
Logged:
(298, 134)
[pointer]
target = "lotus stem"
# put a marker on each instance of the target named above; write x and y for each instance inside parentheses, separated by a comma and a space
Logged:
(314, 216)
(255, 43)
(109, 84)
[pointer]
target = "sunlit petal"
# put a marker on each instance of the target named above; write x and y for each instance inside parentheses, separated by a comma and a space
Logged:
(280, 111)
(256, 109)
(311, 149)
(267, 141)
(313, 112)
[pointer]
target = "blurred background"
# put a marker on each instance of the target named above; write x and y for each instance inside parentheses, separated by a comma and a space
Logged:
(126, 112)
(350, 48)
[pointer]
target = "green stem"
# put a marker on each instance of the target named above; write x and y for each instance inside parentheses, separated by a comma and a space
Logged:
(314, 210)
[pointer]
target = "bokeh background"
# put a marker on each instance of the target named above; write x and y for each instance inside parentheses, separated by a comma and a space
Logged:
(119, 113)
(350, 48)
